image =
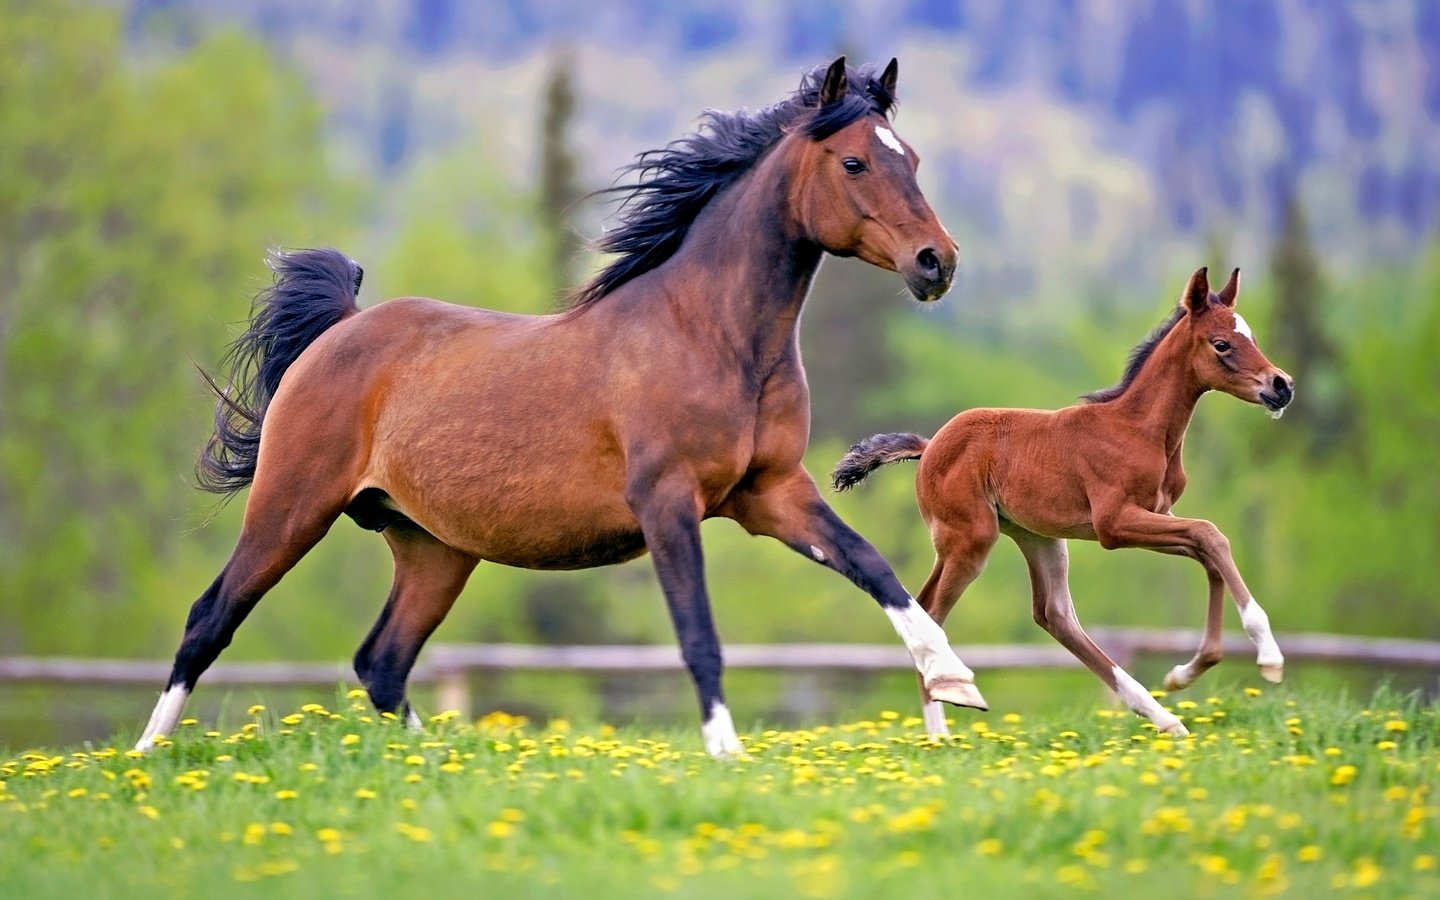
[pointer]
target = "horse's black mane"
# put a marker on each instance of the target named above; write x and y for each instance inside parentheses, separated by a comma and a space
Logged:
(675, 182)
(1138, 356)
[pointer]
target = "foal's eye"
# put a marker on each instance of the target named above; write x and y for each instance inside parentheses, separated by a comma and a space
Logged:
(1222, 346)
(853, 165)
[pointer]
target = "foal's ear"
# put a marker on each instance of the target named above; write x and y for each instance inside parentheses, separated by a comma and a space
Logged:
(889, 76)
(1231, 291)
(835, 83)
(1197, 292)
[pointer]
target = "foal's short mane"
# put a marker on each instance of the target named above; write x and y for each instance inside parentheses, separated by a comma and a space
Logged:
(1138, 356)
(675, 182)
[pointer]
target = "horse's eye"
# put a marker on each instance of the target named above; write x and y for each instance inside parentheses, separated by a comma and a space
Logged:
(853, 165)
(1222, 346)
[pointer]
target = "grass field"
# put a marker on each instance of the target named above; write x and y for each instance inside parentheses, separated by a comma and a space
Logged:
(1274, 793)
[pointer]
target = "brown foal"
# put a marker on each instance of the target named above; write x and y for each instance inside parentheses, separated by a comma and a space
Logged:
(671, 391)
(1106, 470)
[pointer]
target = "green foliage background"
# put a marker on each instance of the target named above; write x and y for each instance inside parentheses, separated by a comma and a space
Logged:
(136, 200)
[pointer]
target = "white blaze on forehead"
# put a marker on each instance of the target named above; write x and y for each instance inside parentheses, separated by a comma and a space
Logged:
(888, 138)
(1243, 327)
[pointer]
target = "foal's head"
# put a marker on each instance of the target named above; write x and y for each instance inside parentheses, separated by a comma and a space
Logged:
(853, 187)
(1223, 349)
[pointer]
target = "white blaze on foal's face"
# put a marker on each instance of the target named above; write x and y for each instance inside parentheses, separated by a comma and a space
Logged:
(888, 138)
(1243, 327)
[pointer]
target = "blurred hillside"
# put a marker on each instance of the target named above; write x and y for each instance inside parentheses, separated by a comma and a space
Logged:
(1098, 132)
(1086, 162)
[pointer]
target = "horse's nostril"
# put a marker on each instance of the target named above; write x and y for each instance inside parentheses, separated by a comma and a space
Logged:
(928, 261)
(1282, 385)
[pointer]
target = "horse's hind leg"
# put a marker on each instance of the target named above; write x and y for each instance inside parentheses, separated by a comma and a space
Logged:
(1049, 564)
(429, 576)
(960, 555)
(275, 535)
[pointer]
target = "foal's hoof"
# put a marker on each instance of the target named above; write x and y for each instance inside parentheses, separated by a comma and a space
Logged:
(1178, 679)
(1176, 729)
(960, 693)
(1274, 673)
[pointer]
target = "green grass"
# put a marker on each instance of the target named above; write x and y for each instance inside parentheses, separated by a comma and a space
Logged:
(1274, 793)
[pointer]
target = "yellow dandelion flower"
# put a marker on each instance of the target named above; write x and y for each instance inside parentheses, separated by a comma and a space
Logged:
(1342, 775)
(364, 794)
(281, 828)
(355, 694)
(499, 829)
(293, 719)
(1366, 873)
(286, 795)
(148, 812)
(350, 740)
(1397, 725)
(414, 760)
(990, 847)
(1386, 745)
(255, 710)
(1309, 853)
(327, 835)
(1425, 862)
(1252, 692)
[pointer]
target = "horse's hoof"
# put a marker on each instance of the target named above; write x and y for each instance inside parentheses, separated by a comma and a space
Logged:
(1177, 679)
(1273, 673)
(957, 692)
(1176, 729)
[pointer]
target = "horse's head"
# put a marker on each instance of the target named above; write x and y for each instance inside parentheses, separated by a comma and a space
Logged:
(1223, 349)
(853, 187)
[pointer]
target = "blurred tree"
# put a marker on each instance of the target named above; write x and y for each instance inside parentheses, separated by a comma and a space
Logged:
(134, 206)
(1297, 340)
(558, 188)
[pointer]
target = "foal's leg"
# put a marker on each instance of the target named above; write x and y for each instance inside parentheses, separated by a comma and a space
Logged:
(790, 509)
(669, 511)
(1049, 564)
(276, 533)
(429, 576)
(1131, 526)
(1211, 648)
(960, 555)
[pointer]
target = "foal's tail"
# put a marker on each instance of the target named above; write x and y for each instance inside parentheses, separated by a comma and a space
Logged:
(313, 290)
(872, 453)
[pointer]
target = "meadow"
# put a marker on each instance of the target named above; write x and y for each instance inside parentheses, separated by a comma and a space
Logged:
(1274, 793)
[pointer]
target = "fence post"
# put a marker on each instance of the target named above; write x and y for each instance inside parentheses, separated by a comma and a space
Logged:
(452, 690)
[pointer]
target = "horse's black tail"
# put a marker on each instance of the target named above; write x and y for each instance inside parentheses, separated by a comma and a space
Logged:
(313, 290)
(872, 453)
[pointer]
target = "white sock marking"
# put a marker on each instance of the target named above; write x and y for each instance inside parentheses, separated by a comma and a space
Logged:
(817, 553)
(412, 720)
(888, 138)
(934, 713)
(927, 644)
(1257, 625)
(1243, 327)
(1140, 701)
(165, 717)
(719, 733)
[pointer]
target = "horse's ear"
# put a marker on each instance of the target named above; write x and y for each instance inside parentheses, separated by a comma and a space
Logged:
(1197, 291)
(889, 76)
(835, 83)
(1231, 291)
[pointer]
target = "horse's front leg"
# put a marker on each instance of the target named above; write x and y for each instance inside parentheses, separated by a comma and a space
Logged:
(790, 509)
(669, 514)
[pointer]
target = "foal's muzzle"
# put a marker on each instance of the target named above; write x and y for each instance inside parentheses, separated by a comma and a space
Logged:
(1278, 394)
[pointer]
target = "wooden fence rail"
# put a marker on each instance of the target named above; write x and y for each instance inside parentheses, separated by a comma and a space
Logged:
(450, 666)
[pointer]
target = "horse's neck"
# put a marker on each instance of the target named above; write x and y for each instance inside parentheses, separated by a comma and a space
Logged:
(1161, 400)
(745, 267)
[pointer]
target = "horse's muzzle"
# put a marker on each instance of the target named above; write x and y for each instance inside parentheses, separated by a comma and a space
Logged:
(929, 277)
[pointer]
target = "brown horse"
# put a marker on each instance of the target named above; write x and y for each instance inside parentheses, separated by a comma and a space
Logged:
(670, 391)
(1107, 470)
